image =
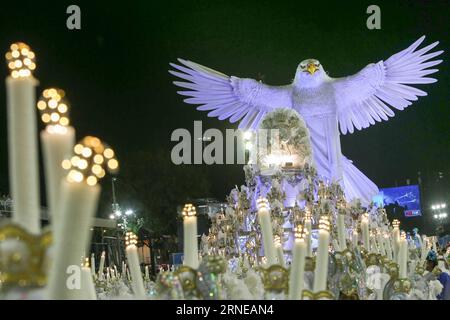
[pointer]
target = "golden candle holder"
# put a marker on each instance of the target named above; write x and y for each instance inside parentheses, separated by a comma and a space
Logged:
(402, 286)
(321, 295)
(310, 264)
(23, 257)
(188, 279)
(276, 279)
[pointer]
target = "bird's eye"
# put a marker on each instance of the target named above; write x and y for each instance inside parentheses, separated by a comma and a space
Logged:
(316, 64)
(303, 66)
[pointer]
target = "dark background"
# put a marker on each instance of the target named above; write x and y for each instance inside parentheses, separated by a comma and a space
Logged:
(114, 71)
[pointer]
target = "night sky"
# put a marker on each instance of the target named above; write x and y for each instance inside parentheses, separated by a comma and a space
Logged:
(114, 70)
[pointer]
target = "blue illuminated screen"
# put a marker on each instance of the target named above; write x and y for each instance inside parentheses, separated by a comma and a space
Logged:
(407, 197)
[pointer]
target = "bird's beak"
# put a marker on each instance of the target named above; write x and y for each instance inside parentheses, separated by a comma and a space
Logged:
(312, 68)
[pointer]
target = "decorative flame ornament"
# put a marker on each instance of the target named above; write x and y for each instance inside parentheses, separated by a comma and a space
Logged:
(91, 158)
(20, 60)
(130, 239)
(54, 109)
(189, 210)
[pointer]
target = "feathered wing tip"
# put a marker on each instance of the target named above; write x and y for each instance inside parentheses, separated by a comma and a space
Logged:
(389, 85)
(222, 96)
(356, 184)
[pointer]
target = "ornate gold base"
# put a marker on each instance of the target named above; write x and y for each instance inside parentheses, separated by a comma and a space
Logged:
(23, 256)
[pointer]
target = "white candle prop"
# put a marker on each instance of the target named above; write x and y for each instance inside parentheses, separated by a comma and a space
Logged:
(341, 230)
(297, 273)
(387, 242)
(80, 193)
(147, 275)
(419, 239)
(308, 227)
(336, 246)
(57, 139)
(190, 236)
(101, 265)
(22, 138)
(108, 275)
(266, 230)
(279, 249)
(320, 274)
(395, 237)
(87, 284)
(137, 282)
(116, 274)
(355, 238)
(403, 256)
(365, 231)
(424, 249)
(433, 239)
(374, 245)
(123, 269)
(93, 265)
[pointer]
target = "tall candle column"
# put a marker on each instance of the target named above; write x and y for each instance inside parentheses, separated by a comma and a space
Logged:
(147, 275)
(321, 272)
(308, 227)
(93, 265)
(355, 238)
(101, 265)
(137, 282)
(424, 249)
(395, 238)
(365, 231)
(419, 239)
(87, 284)
(341, 229)
(297, 273)
(80, 193)
(374, 244)
(122, 271)
(380, 241)
(190, 236)
(22, 138)
(387, 242)
(266, 230)
(403, 256)
(279, 250)
(116, 273)
(58, 139)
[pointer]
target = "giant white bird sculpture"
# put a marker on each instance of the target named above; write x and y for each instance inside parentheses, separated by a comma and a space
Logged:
(326, 104)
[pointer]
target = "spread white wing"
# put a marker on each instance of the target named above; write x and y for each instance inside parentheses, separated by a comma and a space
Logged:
(244, 100)
(369, 95)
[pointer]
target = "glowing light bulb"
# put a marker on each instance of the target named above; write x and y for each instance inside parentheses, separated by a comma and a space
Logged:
(130, 239)
(262, 203)
(324, 223)
(189, 210)
(54, 109)
(87, 164)
(20, 60)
